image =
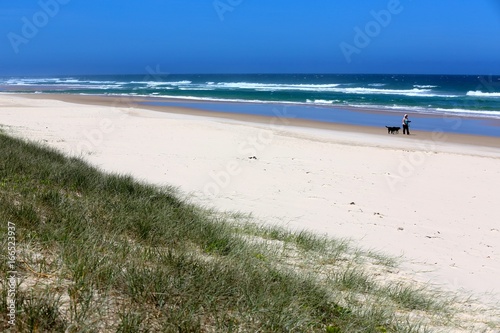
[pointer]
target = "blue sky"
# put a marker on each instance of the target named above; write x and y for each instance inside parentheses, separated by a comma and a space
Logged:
(57, 37)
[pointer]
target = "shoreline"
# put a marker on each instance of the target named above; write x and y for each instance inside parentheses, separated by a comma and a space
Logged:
(431, 200)
(134, 102)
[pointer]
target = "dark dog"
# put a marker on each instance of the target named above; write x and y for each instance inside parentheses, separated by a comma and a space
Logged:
(393, 129)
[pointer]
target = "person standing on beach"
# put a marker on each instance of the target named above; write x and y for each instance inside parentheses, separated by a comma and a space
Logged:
(406, 125)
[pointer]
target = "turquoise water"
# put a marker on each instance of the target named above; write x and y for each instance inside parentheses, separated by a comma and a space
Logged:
(325, 97)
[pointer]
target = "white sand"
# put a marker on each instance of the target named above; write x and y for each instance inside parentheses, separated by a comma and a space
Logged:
(434, 202)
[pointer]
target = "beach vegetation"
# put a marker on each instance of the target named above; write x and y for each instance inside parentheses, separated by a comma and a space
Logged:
(100, 252)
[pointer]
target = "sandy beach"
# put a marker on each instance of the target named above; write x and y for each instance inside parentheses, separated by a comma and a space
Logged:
(431, 197)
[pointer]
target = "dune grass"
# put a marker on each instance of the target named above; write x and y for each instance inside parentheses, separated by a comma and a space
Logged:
(98, 252)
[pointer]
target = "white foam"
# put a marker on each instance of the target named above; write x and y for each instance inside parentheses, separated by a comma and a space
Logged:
(405, 92)
(162, 83)
(274, 87)
(176, 83)
(29, 82)
(478, 93)
(424, 86)
(323, 101)
(223, 100)
(64, 83)
(482, 113)
(198, 88)
(334, 87)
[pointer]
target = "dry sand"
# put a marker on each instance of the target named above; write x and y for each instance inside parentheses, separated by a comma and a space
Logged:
(432, 197)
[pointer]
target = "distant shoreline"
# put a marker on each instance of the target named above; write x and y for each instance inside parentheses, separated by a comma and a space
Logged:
(438, 134)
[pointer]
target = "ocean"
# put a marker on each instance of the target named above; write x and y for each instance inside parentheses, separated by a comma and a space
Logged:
(322, 97)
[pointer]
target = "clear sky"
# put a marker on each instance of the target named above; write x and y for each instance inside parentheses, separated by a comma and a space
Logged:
(57, 37)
